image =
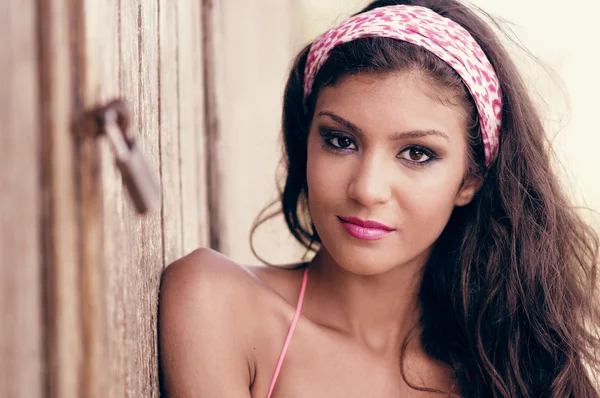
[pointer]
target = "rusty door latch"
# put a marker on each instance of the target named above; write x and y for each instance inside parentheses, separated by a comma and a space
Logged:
(113, 121)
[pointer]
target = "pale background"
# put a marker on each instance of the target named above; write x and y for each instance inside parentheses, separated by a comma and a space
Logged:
(563, 36)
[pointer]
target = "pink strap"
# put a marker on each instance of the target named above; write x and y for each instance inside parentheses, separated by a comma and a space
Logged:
(286, 344)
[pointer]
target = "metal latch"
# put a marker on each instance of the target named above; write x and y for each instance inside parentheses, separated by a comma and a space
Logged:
(113, 121)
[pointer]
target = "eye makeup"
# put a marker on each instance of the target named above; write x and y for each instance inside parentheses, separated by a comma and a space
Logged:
(339, 142)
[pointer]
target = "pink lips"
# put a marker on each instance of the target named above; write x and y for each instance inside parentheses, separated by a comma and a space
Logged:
(365, 229)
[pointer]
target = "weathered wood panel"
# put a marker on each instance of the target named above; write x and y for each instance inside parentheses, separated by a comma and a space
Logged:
(149, 261)
(133, 268)
(132, 257)
(169, 130)
(122, 266)
(101, 196)
(60, 243)
(132, 50)
(20, 282)
(82, 300)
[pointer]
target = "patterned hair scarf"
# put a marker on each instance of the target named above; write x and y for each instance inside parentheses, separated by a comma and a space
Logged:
(439, 35)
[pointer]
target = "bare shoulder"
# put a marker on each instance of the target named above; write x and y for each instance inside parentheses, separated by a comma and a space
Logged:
(216, 318)
(206, 271)
(208, 274)
(211, 287)
(206, 326)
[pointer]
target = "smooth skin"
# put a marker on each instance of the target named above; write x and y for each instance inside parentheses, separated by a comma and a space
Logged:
(390, 148)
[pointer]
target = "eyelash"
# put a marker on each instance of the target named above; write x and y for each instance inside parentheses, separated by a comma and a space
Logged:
(329, 136)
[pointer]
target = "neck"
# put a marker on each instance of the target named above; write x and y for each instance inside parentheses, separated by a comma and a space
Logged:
(379, 311)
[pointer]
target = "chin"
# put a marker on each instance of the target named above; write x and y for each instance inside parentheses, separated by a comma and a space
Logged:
(366, 261)
(375, 257)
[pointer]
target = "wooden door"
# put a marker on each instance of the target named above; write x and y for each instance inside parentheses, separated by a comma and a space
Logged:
(149, 53)
(80, 268)
(21, 333)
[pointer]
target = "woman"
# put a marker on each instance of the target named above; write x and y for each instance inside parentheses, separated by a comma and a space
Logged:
(448, 260)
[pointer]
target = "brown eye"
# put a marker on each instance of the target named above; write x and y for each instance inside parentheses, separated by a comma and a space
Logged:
(341, 142)
(415, 155)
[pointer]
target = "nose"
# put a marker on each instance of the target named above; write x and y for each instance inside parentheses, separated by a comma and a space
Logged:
(371, 183)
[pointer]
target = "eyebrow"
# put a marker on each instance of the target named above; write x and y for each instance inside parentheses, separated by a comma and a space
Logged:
(393, 137)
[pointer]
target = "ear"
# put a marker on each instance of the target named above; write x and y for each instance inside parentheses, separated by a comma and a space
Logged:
(471, 184)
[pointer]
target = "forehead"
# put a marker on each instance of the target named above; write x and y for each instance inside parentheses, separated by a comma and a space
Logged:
(392, 101)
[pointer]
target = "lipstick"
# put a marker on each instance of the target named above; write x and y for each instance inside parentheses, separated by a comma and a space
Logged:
(365, 229)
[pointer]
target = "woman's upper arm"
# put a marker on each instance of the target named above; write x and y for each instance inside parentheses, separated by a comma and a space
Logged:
(203, 352)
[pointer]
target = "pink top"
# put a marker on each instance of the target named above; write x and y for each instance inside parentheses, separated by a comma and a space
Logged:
(286, 344)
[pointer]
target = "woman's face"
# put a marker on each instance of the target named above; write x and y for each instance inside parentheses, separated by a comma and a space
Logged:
(385, 148)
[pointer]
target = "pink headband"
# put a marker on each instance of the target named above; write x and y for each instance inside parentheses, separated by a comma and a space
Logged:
(439, 35)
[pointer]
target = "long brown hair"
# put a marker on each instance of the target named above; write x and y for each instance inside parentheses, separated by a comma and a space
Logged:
(509, 294)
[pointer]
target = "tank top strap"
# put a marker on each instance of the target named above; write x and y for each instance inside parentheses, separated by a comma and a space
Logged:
(286, 344)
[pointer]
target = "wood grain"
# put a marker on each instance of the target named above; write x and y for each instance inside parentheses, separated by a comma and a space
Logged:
(122, 230)
(134, 54)
(20, 285)
(102, 261)
(170, 144)
(150, 258)
(133, 275)
(60, 244)
(101, 196)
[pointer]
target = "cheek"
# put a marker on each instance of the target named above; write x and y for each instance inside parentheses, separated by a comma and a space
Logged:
(427, 201)
(435, 187)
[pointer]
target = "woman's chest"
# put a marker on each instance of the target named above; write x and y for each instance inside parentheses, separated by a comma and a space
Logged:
(325, 364)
